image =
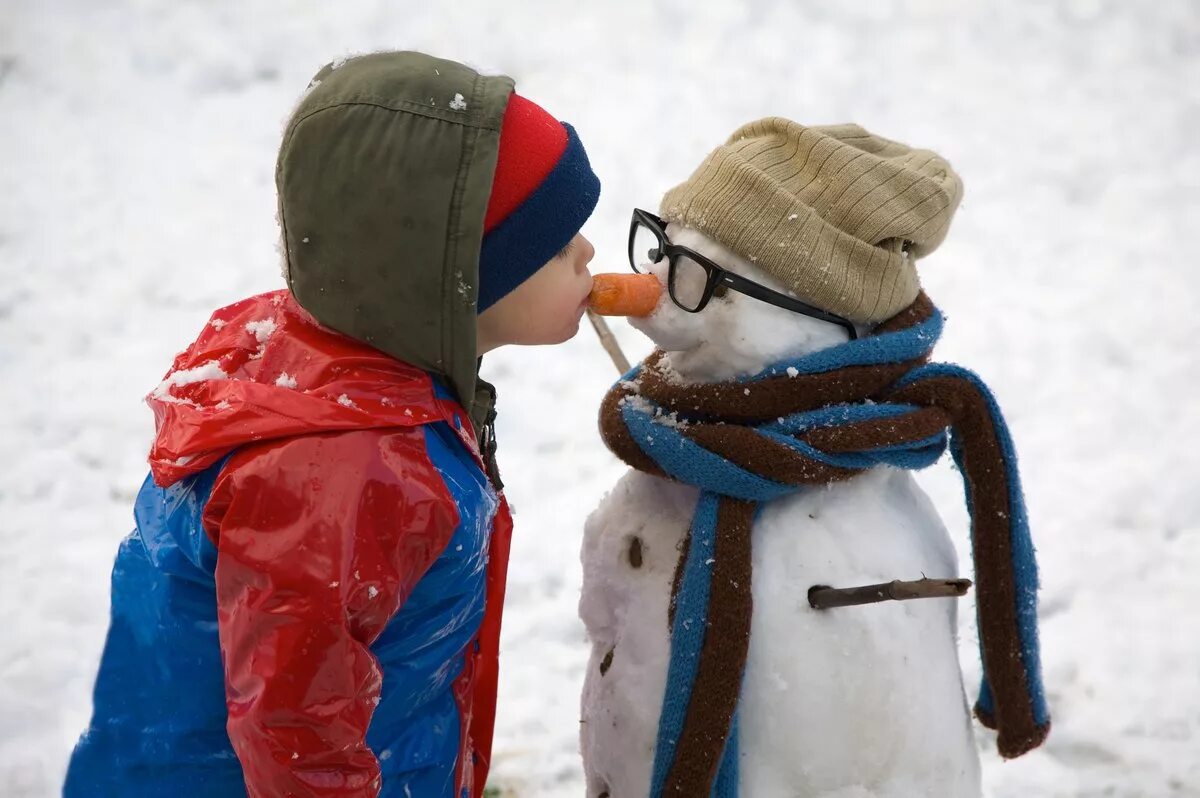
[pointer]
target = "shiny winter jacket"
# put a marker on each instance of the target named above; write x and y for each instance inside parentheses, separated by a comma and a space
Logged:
(310, 602)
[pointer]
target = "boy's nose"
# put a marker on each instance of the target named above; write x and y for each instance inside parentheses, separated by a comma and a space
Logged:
(589, 251)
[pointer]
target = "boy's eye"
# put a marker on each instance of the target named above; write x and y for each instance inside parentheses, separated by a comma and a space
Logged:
(565, 251)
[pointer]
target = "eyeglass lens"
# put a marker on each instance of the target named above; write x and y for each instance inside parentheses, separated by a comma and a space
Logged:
(688, 282)
(644, 248)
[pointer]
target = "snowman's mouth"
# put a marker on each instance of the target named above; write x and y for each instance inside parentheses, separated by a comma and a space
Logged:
(664, 329)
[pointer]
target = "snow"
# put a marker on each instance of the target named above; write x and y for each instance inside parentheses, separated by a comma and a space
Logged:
(261, 330)
(285, 380)
(1065, 279)
(458, 103)
(209, 370)
(660, 416)
(346, 401)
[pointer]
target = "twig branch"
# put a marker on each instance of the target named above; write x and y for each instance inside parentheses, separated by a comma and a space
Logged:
(824, 597)
(608, 341)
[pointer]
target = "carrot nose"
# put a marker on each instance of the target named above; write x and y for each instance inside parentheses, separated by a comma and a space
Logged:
(624, 294)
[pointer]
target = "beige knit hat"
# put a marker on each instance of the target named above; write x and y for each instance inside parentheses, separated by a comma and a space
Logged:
(826, 210)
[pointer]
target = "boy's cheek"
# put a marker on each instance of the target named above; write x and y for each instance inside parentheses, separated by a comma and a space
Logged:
(551, 309)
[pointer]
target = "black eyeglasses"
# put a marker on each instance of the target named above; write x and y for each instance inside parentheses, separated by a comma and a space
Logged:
(693, 280)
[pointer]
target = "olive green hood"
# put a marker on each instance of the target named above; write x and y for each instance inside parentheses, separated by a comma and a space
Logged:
(384, 176)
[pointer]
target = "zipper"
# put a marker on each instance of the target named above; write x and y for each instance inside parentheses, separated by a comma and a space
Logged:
(487, 448)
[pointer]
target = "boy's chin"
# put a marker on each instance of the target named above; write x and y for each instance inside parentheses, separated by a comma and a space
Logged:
(571, 331)
(560, 336)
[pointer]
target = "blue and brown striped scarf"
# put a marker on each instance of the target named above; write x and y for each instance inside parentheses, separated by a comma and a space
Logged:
(824, 417)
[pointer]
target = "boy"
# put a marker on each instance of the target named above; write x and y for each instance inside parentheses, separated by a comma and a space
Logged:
(310, 603)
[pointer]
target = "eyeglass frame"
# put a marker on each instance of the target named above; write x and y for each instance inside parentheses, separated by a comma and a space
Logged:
(718, 276)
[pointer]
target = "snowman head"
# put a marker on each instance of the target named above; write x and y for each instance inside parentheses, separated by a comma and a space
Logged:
(734, 334)
(835, 213)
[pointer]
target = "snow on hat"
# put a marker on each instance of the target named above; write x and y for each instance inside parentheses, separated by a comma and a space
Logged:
(836, 213)
(543, 191)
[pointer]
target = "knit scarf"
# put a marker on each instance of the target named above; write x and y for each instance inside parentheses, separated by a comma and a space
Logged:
(827, 416)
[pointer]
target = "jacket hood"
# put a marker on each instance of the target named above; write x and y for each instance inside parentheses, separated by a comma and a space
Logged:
(263, 368)
(383, 179)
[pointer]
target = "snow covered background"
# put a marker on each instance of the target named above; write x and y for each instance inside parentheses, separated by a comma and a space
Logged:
(137, 143)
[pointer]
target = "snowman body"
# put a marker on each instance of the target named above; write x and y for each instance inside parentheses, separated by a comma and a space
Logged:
(854, 702)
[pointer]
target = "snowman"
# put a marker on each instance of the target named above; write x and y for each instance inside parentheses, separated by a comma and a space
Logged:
(772, 437)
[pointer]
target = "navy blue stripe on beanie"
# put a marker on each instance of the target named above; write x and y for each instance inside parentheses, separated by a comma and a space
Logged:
(540, 226)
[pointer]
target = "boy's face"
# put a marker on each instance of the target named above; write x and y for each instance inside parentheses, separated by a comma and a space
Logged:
(546, 308)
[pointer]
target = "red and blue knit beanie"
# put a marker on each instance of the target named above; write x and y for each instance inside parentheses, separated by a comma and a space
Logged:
(543, 191)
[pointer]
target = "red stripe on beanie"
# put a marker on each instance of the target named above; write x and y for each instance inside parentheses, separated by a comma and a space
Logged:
(531, 144)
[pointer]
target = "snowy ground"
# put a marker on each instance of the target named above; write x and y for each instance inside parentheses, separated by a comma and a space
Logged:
(136, 194)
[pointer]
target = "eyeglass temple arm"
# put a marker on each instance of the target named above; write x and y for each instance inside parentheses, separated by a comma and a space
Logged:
(766, 294)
